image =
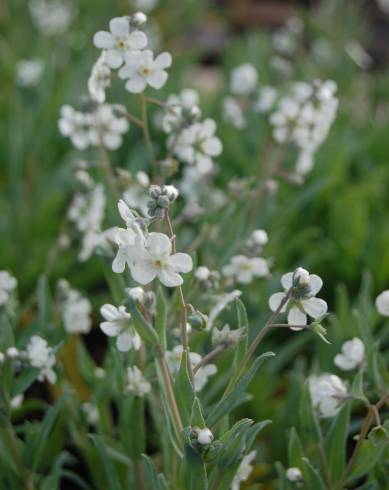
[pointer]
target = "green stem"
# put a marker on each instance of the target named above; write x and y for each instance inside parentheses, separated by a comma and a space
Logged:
(147, 137)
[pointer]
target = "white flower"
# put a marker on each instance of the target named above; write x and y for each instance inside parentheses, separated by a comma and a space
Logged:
(232, 113)
(226, 335)
(29, 72)
(141, 69)
(13, 352)
(136, 294)
(41, 357)
(171, 192)
(382, 303)
(328, 392)
(91, 412)
(302, 301)
(107, 128)
(173, 359)
(119, 41)
(352, 355)
(293, 474)
(99, 372)
(204, 436)
(75, 125)
(17, 401)
(137, 383)
(7, 284)
(154, 259)
(245, 269)
(244, 79)
(76, 311)
(145, 5)
(266, 99)
(244, 470)
(202, 273)
(197, 145)
(118, 324)
(180, 109)
(52, 17)
(100, 79)
(259, 237)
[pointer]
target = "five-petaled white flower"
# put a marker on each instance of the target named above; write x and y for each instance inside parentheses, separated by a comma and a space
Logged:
(328, 393)
(7, 284)
(154, 258)
(119, 41)
(302, 288)
(351, 355)
(245, 269)
(141, 69)
(137, 383)
(382, 303)
(118, 324)
(244, 470)
(40, 356)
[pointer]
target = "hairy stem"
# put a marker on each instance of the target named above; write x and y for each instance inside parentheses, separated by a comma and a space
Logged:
(147, 137)
(210, 356)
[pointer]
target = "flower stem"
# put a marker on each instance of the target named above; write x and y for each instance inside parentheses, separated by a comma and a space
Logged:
(209, 357)
(107, 168)
(147, 137)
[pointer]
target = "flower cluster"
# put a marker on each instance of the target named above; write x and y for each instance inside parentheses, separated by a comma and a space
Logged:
(41, 356)
(75, 310)
(118, 324)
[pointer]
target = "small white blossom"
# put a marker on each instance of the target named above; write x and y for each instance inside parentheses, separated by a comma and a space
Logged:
(137, 383)
(382, 303)
(118, 324)
(328, 392)
(245, 269)
(74, 125)
(76, 311)
(120, 41)
(7, 284)
(244, 79)
(17, 401)
(40, 356)
(91, 412)
(260, 237)
(12, 352)
(226, 335)
(52, 17)
(204, 436)
(302, 301)
(244, 470)
(352, 354)
(100, 79)
(202, 273)
(136, 294)
(293, 474)
(99, 372)
(181, 109)
(233, 113)
(266, 99)
(29, 72)
(141, 69)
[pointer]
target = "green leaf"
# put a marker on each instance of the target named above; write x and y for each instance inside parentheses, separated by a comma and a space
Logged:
(282, 482)
(111, 477)
(44, 301)
(197, 419)
(295, 450)
(224, 405)
(24, 380)
(357, 387)
(153, 479)
(133, 434)
(183, 390)
(243, 323)
(315, 481)
(335, 443)
(144, 329)
(161, 318)
(194, 474)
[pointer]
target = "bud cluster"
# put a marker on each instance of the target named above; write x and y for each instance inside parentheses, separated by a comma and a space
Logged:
(161, 198)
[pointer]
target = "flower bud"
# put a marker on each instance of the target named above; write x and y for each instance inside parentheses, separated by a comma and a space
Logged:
(197, 320)
(293, 474)
(201, 437)
(171, 192)
(139, 18)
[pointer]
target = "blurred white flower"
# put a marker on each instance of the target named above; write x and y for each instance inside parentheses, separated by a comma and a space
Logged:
(382, 303)
(100, 79)
(75, 310)
(303, 288)
(233, 113)
(328, 393)
(17, 401)
(154, 258)
(244, 79)
(145, 5)
(202, 273)
(181, 110)
(244, 470)
(120, 41)
(197, 145)
(141, 69)
(226, 335)
(12, 352)
(352, 354)
(91, 412)
(137, 383)
(266, 99)
(136, 294)
(118, 324)
(41, 356)
(52, 17)
(107, 128)
(293, 474)
(245, 269)
(29, 72)
(75, 125)
(7, 284)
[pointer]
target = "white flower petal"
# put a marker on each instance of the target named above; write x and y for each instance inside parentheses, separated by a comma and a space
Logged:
(109, 312)
(158, 244)
(143, 272)
(162, 61)
(138, 40)
(296, 317)
(113, 58)
(119, 26)
(136, 84)
(212, 146)
(124, 342)
(157, 79)
(181, 262)
(103, 40)
(287, 280)
(315, 283)
(110, 329)
(170, 278)
(315, 307)
(275, 301)
(119, 262)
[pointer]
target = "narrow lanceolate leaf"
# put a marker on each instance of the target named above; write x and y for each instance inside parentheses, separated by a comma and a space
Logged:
(357, 387)
(161, 318)
(193, 475)
(154, 481)
(197, 419)
(144, 329)
(44, 301)
(244, 324)
(224, 406)
(312, 476)
(133, 434)
(184, 390)
(295, 450)
(282, 482)
(335, 443)
(111, 477)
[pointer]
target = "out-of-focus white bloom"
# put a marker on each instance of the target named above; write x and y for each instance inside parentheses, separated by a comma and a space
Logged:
(118, 324)
(382, 303)
(197, 145)
(245, 269)
(352, 354)
(202, 273)
(244, 470)
(173, 359)
(293, 474)
(145, 5)
(75, 125)
(141, 69)
(154, 258)
(41, 356)
(226, 335)
(136, 195)
(137, 383)
(232, 113)
(181, 110)
(52, 17)
(7, 284)
(100, 79)
(76, 311)
(120, 41)
(328, 392)
(136, 294)
(281, 65)
(244, 79)
(12, 352)
(91, 412)
(107, 128)
(99, 372)
(17, 401)
(303, 288)
(204, 436)
(29, 72)
(266, 99)
(171, 192)
(260, 237)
